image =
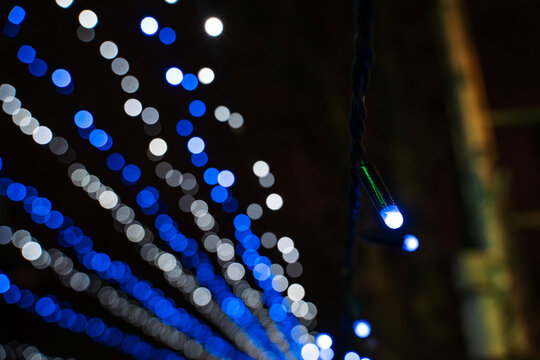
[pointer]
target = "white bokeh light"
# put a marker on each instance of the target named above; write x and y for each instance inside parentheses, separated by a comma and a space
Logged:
(42, 135)
(149, 25)
(206, 76)
(261, 168)
(274, 201)
(31, 250)
(158, 147)
(310, 352)
(174, 76)
(88, 19)
(213, 26)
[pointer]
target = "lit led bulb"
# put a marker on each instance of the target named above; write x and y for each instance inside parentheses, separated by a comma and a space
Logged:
(410, 243)
(392, 216)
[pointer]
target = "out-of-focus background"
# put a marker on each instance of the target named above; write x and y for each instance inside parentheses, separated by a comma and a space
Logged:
(453, 126)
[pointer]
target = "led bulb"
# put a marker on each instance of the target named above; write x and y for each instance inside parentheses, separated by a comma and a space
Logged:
(392, 216)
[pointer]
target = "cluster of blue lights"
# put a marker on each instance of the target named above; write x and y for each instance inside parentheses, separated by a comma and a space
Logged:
(87, 130)
(61, 313)
(120, 272)
(15, 18)
(150, 26)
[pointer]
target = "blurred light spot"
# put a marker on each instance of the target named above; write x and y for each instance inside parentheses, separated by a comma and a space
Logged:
(174, 76)
(197, 108)
(280, 283)
(222, 113)
(310, 352)
(219, 194)
(6, 91)
(362, 329)
(16, 15)
(135, 232)
(261, 168)
(150, 115)
(61, 78)
(206, 76)
(131, 173)
(274, 201)
(108, 199)
(64, 3)
(26, 54)
(236, 120)
(42, 135)
(201, 296)
(167, 36)
(190, 82)
(88, 19)
(45, 306)
(133, 107)
(115, 161)
(149, 25)
(83, 119)
(79, 281)
(171, 1)
(31, 250)
(291, 256)
(130, 84)
(108, 50)
(327, 354)
(294, 270)
(5, 234)
(351, 355)
(37, 67)
(184, 127)
(410, 243)
(85, 35)
(158, 147)
(98, 137)
(120, 66)
(225, 178)
(254, 211)
(324, 341)
(296, 292)
(213, 26)
(195, 145)
(268, 240)
(267, 181)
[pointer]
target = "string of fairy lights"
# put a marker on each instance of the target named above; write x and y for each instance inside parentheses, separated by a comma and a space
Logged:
(260, 324)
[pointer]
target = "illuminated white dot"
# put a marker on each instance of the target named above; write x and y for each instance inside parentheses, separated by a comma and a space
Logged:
(206, 76)
(201, 296)
(285, 244)
(296, 292)
(78, 282)
(42, 135)
(158, 147)
(310, 352)
(235, 271)
(174, 76)
(410, 243)
(135, 232)
(222, 113)
(149, 25)
(225, 252)
(108, 199)
(133, 107)
(166, 262)
(274, 201)
(108, 50)
(88, 19)
(31, 250)
(171, 1)
(351, 355)
(150, 115)
(280, 283)
(327, 354)
(392, 216)
(195, 145)
(362, 329)
(324, 341)
(261, 168)
(225, 178)
(64, 3)
(213, 26)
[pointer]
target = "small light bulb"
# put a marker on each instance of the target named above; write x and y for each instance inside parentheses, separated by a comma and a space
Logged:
(410, 243)
(392, 216)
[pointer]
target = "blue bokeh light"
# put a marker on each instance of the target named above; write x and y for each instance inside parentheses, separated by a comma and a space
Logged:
(115, 162)
(83, 119)
(41, 206)
(195, 145)
(26, 54)
(167, 36)
(55, 220)
(16, 192)
(61, 78)
(210, 176)
(242, 222)
(11, 30)
(45, 306)
(12, 295)
(324, 341)
(4, 283)
(362, 328)
(410, 243)
(190, 83)
(98, 138)
(197, 108)
(16, 15)
(184, 127)
(351, 355)
(131, 173)
(219, 194)
(200, 159)
(38, 67)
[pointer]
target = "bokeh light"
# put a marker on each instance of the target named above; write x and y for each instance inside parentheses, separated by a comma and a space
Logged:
(410, 243)
(195, 145)
(108, 50)
(174, 76)
(64, 3)
(225, 178)
(324, 341)
(190, 82)
(362, 329)
(206, 76)
(16, 15)
(26, 54)
(88, 19)
(149, 25)
(158, 147)
(274, 201)
(213, 26)
(197, 108)
(167, 36)
(61, 78)
(351, 355)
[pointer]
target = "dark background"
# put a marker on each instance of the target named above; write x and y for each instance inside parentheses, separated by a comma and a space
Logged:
(285, 66)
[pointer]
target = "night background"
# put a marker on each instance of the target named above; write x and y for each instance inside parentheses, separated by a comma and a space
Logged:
(453, 127)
